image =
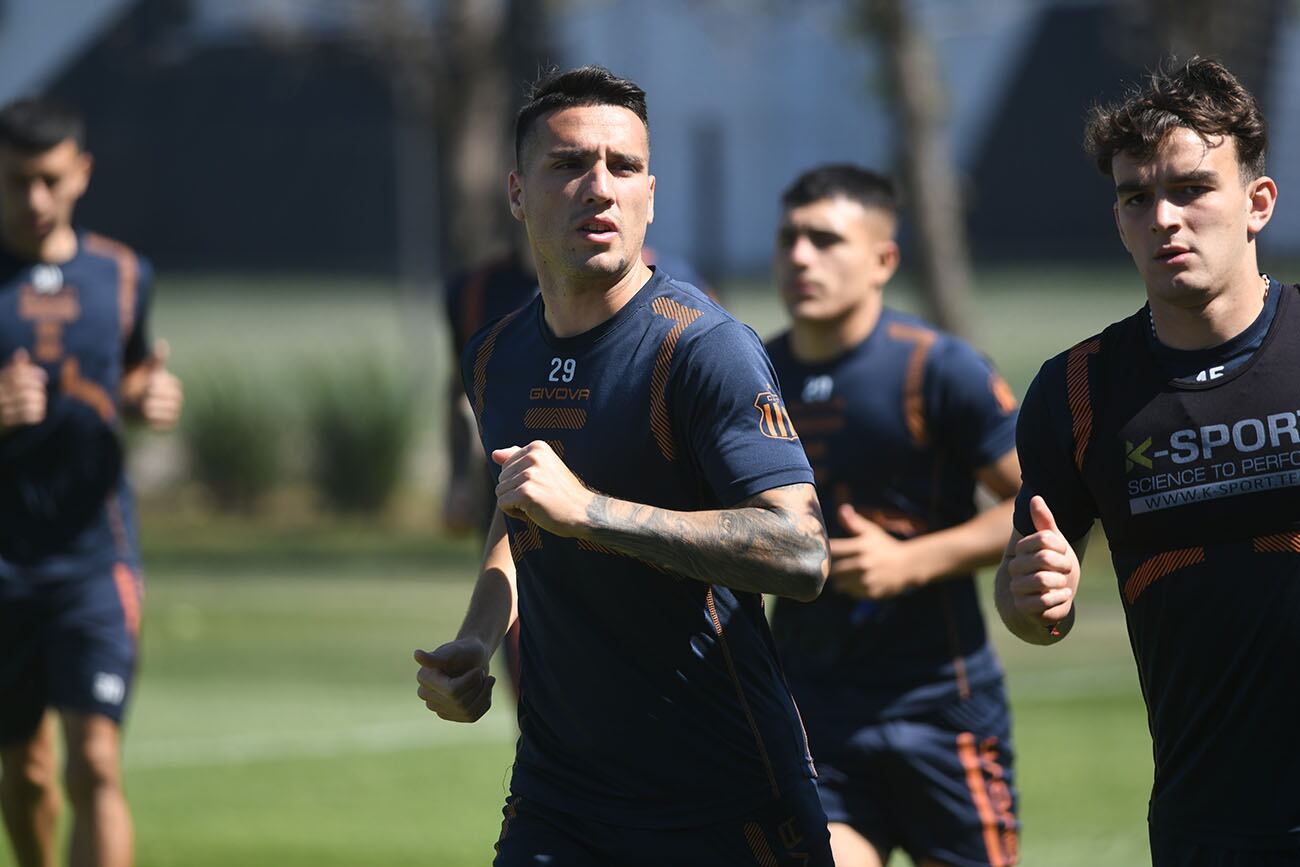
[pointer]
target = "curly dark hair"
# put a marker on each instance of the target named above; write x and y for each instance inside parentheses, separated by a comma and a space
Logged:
(586, 85)
(1201, 95)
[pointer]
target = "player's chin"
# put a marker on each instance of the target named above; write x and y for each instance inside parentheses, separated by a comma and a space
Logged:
(606, 262)
(809, 309)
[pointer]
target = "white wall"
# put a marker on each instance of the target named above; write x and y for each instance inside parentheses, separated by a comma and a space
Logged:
(791, 86)
(38, 38)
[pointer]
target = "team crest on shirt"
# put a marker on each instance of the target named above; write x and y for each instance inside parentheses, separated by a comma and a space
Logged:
(47, 279)
(817, 389)
(773, 420)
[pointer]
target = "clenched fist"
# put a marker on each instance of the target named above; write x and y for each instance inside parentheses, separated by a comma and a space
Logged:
(22, 391)
(535, 484)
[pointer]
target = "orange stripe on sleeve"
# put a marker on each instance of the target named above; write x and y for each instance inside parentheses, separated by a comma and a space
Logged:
(1078, 395)
(913, 396)
(128, 277)
(683, 316)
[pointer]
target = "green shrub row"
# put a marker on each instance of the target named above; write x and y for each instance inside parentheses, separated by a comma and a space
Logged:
(349, 425)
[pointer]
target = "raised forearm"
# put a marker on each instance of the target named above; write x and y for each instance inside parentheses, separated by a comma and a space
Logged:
(758, 546)
(493, 605)
(964, 548)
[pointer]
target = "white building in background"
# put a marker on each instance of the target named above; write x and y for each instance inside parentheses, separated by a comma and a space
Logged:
(743, 94)
(38, 38)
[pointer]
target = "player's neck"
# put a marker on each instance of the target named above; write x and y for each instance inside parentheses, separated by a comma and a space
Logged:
(1223, 317)
(817, 340)
(572, 307)
(55, 248)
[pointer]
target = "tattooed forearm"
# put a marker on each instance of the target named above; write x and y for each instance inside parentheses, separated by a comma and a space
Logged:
(772, 543)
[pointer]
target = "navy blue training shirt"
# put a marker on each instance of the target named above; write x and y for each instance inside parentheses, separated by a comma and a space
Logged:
(648, 699)
(897, 427)
(1196, 481)
(65, 509)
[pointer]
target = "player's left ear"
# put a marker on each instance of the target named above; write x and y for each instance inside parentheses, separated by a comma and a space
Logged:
(888, 257)
(515, 191)
(1261, 196)
(650, 207)
(85, 168)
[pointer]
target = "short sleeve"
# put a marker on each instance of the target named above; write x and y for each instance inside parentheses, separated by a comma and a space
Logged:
(969, 403)
(138, 347)
(1044, 442)
(727, 409)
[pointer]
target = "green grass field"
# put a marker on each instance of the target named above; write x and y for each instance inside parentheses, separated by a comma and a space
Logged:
(276, 721)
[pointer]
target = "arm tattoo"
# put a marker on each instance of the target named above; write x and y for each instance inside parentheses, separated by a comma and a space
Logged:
(771, 543)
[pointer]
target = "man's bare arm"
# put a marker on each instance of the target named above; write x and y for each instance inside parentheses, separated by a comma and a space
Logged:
(869, 563)
(454, 680)
(494, 604)
(774, 542)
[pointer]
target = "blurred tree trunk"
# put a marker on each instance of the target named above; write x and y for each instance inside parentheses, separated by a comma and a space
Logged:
(915, 91)
(456, 71)
(458, 77)
(472, 121)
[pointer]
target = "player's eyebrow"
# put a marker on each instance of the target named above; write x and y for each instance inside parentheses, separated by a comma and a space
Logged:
(1199, 176)
(569, 152)
(628, 159)
(562, 152)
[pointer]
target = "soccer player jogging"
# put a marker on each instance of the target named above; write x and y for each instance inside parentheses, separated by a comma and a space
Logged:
(650, 488)
(1177, 428)
(74, 359)
(900, 691)
(473, 299)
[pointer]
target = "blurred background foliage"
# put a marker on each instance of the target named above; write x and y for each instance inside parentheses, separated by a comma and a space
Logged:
(361, 417)
(307, 175)
(233, 431)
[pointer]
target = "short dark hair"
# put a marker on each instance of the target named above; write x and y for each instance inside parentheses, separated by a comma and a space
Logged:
(1202, 95)
(843, 180)
(35, 125)
(586, 85)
